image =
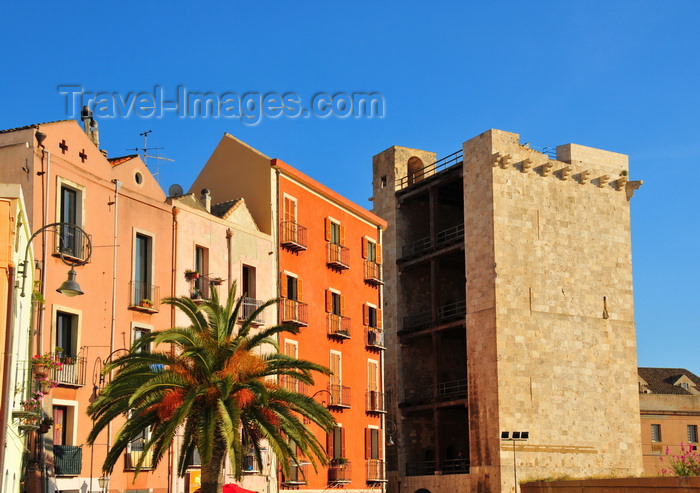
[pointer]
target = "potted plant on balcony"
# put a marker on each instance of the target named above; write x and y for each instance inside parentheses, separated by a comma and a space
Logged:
(42, 364)
(146, 303)
(215, 281)
(45, 424)
(45, 384)
(191, 275)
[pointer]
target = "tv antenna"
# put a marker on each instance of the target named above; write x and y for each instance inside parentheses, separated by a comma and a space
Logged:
(145, 154)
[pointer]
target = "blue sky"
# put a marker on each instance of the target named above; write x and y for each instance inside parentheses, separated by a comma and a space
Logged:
(621, 76)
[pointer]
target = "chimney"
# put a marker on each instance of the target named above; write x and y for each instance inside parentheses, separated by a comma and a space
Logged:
(206, 199)
(90, 126)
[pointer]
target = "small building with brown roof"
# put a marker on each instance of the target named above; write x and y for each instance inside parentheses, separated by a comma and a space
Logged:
(669, 402)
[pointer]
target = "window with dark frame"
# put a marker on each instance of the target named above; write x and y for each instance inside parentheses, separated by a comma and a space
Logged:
(655, 433)
(693, 433)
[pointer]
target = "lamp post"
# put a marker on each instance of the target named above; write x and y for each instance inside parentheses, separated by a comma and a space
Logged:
(515, 436)
(103, 481)
(63, 229)
(70, 287)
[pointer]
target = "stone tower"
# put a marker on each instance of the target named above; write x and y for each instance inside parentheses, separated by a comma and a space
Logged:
(508, 307)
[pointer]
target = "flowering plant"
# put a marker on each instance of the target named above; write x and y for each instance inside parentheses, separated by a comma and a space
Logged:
(48, 360)
(33, 403)
(685, 464)
(45, 382)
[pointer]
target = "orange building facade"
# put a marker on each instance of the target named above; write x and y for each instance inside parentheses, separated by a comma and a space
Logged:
(328, 252)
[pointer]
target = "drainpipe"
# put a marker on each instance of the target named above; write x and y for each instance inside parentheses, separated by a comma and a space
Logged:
(117, 186)
(173, 281)
(229, 235)
(5, 398)
(44, 250)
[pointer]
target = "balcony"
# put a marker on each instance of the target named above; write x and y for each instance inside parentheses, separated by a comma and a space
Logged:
(340, 396)
(338, 256)
(448, 236)
(453, 389)
(248, 307)
(71, 243)
(338, 326)
(68, 460)
(292, 236)
(373, 273)
(376, 471)
(374, 338)
(73, 372)
(294, 312)
(293, 385)
(133, 457)
(297, 475)
(375, 402)
(445, 313)
(339, 471)
(144, 297)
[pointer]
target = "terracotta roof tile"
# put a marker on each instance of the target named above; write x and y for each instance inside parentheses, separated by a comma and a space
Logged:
(116, 161)
(662, 380)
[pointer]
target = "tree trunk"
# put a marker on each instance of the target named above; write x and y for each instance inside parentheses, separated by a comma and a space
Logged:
(212, 472)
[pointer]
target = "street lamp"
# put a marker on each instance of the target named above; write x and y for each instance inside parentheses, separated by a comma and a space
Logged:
(103, 481)
(70, 286)
(391, 428)
(515, 436)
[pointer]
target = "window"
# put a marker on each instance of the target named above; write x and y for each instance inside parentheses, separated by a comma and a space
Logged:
(655, 433)
(372, 317)
(338, 253)
(290, 209)
(143, 266)
(60, 427)
(66, 337)
(375, 398)
(336, 369)
(67, 334)
(373, 444)
(291, 349)
(336, 443)
(291, 306)
(693, 433)
(139, 332)
(335, 233)
(372, 253)
(248, 281)
(685, 386)
(292, 235)
(201, 265)
(70, 200)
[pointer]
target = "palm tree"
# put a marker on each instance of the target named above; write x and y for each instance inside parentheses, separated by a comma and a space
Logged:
(218, 387)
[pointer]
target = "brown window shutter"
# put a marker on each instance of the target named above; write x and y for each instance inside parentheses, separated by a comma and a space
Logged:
(283, 285)
(342, 442)
(327, 229)
(364, 247)
(329, 301)
(368, 443)
(379, 253)
(380, 450)
(329, 443)
(380, 320)
(299, 291)
(365, 315)
(342, 305)
(342, 235)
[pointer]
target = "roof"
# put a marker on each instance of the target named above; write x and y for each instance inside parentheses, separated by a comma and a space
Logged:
(33, 125)
(116, 161)
(663, 380)
(222, 209)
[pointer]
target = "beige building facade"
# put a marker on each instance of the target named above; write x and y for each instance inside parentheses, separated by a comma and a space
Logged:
(508, 308)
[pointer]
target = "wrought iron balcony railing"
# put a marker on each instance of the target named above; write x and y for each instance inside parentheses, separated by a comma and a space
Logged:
(338, 256)
(293, 385)
(375, 402)
(144, 297)
(292, 235)
(248, 307)
(441, 164)
(72, 372)
(374, 338)
(339, 471)
(339, 396)
(68, 460)
(69, 242)
(294, 312)
(373, 272)
(297, 475)
(338, 326)
(376, 471)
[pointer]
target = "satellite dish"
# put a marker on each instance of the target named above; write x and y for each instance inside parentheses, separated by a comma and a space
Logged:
(175, 190)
